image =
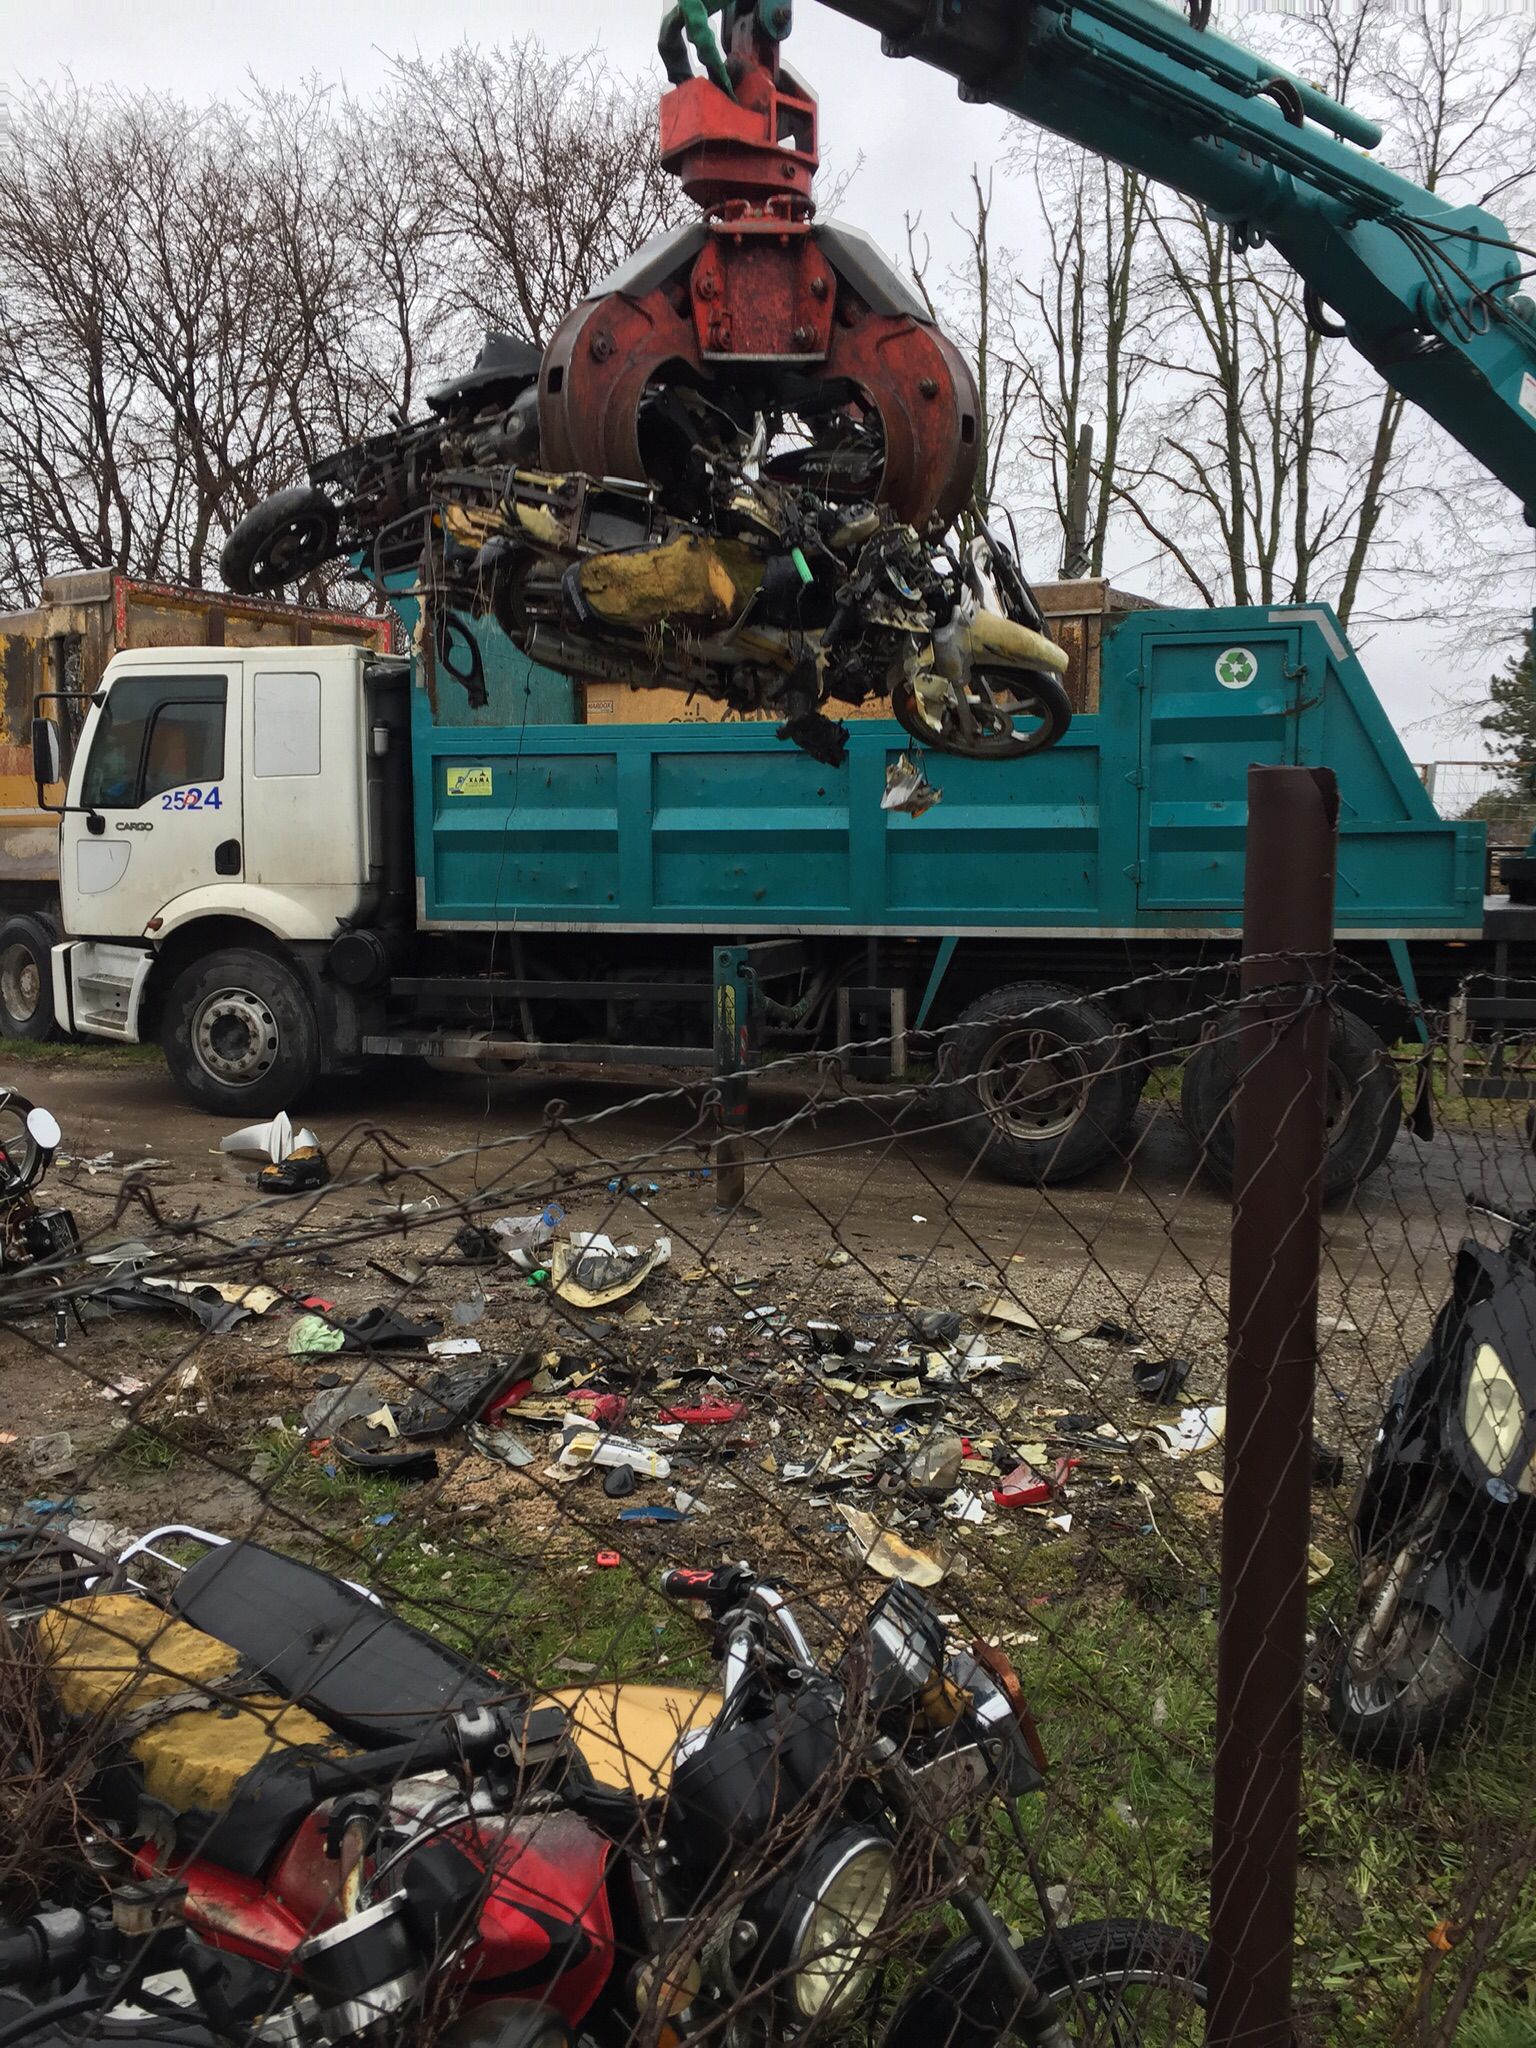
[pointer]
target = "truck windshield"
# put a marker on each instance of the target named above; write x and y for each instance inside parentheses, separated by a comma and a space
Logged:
(155, 733)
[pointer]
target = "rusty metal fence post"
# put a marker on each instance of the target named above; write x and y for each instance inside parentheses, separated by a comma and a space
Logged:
(1272, 1352)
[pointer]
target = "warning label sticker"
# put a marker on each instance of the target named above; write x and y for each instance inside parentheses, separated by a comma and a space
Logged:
(469, 782)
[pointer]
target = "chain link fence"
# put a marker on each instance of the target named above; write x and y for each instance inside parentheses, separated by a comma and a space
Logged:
(514, 1362)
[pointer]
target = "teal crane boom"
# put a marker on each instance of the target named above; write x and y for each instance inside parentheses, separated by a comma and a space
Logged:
(1427, 291)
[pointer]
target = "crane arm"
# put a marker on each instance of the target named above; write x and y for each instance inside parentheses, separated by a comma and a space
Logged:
(1426, 291)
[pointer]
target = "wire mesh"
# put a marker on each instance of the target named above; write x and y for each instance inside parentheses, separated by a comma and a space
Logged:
(968, 1333)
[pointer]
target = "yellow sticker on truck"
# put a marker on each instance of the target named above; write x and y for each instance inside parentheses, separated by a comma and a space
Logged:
(469, 782)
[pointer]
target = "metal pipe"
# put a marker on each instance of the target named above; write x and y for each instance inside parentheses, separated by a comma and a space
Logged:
(1280, 1140)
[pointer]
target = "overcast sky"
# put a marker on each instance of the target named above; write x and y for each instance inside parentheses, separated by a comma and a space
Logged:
(916, 140)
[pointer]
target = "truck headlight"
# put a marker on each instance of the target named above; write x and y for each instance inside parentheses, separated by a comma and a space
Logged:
(845, 1887)
(1493, 1414)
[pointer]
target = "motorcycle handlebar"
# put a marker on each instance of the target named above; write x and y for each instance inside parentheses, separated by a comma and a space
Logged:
(718, 1589)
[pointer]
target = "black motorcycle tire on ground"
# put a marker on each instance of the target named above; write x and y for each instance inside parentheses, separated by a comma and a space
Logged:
(1088, 1040)
(1362, 1079)
(1049, 701)
(241, 1004)
(26, 977)
(1416, 1700)
(279, 540)
(962, 2004)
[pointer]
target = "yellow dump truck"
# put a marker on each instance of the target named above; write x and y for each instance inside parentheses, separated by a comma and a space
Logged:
(51, 660)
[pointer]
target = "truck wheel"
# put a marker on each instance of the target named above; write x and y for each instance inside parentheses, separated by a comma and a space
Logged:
(26, 977)
(1364, 1105)
(1037, 1080)
(240, 1034)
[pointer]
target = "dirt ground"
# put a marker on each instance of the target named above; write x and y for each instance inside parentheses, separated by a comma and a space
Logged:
(1140, 1245)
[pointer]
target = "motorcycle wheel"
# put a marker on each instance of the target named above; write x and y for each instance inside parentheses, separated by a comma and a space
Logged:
(1117, 1983)
(1008, 713)
(279, 540)
(1404, 1699)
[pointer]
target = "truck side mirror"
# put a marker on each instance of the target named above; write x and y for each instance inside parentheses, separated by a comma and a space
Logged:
(47, 757)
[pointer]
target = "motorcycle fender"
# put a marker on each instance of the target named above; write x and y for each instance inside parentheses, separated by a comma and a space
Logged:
(994, 638)
(957, 1999)
(1473, 1585)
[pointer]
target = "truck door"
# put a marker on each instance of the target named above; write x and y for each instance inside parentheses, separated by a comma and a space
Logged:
(1214, 701)
(159, 774)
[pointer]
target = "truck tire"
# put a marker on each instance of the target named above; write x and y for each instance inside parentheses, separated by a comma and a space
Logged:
(26, 977)
(1365, 1105)
(1038, 1082)
(240, 1034)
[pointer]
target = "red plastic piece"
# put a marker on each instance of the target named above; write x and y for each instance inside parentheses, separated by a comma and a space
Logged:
(1024, 1487)
(607, 1559)
(606, 1409)
(509, 1398)
(705, 1413)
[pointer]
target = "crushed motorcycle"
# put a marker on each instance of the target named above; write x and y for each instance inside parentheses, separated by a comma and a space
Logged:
(764, 595)
(312, 1823)
(1445, 1516)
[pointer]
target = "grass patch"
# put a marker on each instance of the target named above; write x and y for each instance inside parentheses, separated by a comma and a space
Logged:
(79, 1055)
(139, 1451)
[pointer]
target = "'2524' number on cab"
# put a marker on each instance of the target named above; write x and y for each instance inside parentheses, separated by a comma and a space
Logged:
(193, 799)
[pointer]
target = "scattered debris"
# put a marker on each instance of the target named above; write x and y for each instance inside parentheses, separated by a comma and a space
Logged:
(907, 787)
(300, 1171)
(889, 1554)
(525, 1240)
(590, 1270)
(1160, 1379)
(271, 1141)
(52, 1455)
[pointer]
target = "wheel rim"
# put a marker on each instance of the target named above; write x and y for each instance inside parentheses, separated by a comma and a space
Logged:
(1013, 715)
(21, 983)
(1133, 2009)
(297, 546)
(1377, 1682)
(1034, 1084)
(235, 1037)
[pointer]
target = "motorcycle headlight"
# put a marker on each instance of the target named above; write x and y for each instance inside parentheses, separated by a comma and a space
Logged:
(1493, 1414)
(842, 1891)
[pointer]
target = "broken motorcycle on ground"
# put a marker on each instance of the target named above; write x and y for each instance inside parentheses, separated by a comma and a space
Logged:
(1445, 1518)
(316, 1825)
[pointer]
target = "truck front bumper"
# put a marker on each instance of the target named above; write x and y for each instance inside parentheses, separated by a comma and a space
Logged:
(98, 987)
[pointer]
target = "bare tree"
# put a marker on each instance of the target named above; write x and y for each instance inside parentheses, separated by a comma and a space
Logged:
(546, 170)
(197, 304)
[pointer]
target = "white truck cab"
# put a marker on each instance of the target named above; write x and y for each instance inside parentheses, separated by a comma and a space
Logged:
(223, 824)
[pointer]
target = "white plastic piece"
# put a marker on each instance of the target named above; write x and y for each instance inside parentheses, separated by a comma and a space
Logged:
(274, 1140)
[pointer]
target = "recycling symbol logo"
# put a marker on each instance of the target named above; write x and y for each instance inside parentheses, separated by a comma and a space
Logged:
(1236, 668)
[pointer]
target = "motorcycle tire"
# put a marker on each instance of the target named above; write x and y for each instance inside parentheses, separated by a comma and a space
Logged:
(1116, 1983)
(1029, 693)
(278, 541)
(1365, 1105)
(1414, 1698)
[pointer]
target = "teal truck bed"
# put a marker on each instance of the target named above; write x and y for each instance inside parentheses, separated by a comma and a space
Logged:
(1132, 828)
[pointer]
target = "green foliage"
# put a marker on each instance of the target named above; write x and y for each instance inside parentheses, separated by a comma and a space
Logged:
(1511, 724)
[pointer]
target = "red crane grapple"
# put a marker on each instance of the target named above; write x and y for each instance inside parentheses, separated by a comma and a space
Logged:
(758, 300)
